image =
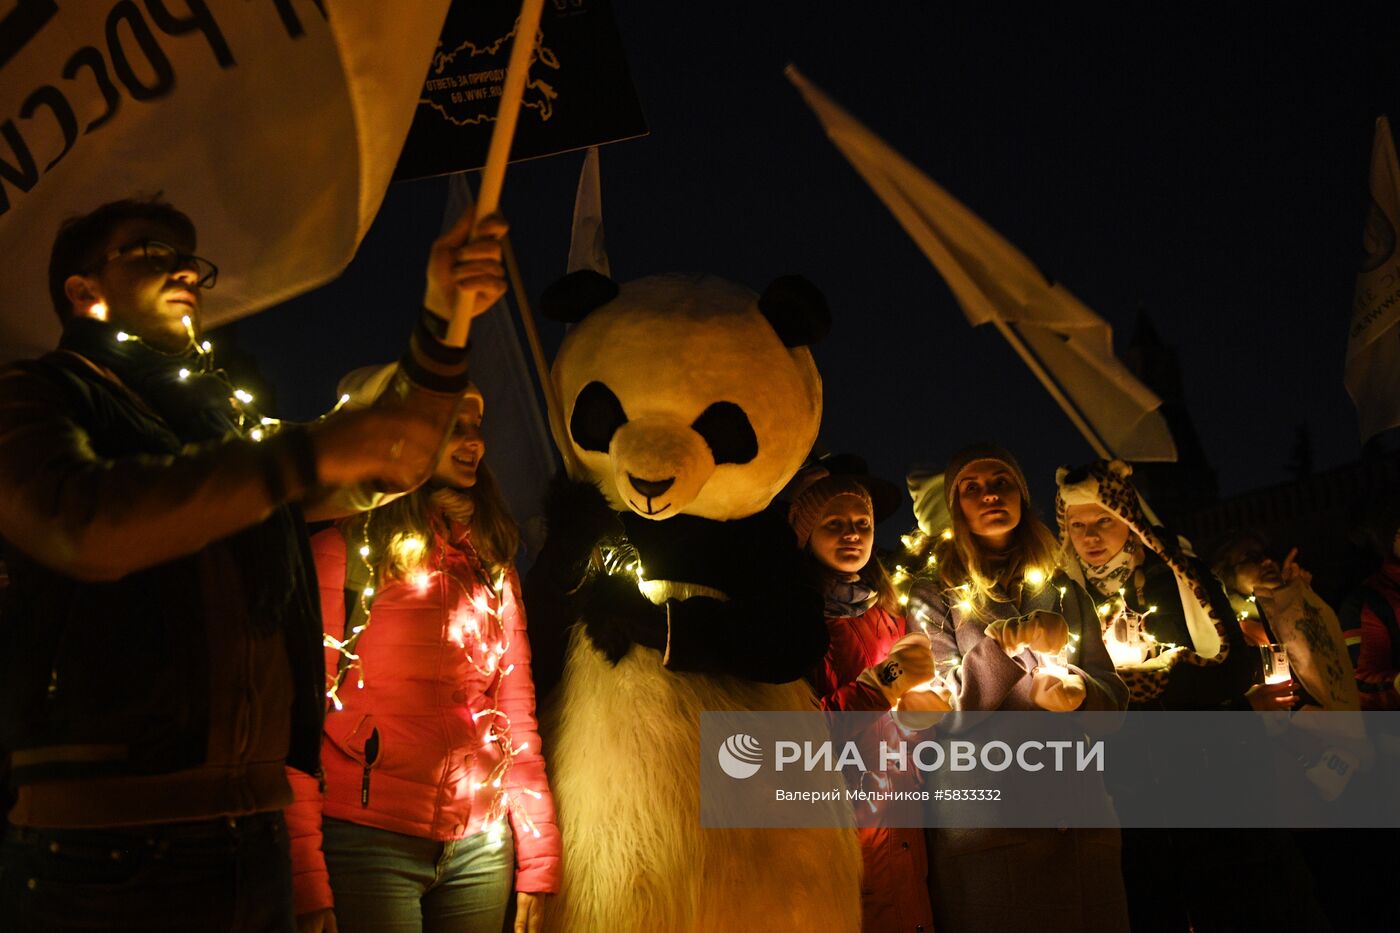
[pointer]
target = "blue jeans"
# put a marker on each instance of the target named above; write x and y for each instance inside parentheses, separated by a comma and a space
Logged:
(391, 883)
(214, 876)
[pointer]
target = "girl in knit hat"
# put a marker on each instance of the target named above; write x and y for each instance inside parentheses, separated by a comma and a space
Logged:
(1017, 635)
(872, 665)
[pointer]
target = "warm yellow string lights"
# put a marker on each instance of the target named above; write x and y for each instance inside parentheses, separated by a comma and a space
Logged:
(477, 626)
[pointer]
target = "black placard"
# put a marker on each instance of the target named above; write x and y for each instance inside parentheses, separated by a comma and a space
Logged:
(579, 91)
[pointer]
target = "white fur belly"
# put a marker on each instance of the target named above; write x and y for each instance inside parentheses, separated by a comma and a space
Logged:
(621, 746)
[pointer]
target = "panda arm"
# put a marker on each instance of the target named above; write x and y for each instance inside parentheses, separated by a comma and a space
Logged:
(771, 629)
(576, 517)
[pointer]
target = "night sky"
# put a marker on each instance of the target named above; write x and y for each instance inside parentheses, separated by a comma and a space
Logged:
(1207, 164)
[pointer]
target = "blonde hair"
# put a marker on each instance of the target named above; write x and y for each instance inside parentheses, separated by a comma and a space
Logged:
(963, 560)
(399, 533)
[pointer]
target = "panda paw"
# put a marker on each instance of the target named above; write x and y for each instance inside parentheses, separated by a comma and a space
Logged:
(617, 616)
(577, 515)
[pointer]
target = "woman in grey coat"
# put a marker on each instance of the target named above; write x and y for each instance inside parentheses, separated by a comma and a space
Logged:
(1010, 633)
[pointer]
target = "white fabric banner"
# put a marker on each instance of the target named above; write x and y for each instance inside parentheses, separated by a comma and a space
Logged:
(275, 124)
(587, 247)
(995, 283)
(1373, 343)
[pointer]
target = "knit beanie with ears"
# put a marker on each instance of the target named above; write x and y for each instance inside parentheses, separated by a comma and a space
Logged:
(813, 491)
(969, 455)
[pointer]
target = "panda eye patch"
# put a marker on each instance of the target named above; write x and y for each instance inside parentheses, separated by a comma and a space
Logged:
(726, 428)
(597, 416)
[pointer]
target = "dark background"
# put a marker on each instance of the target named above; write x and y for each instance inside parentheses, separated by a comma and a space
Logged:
(1205, 164)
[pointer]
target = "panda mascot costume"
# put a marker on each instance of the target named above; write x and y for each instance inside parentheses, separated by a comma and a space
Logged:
(668, 586)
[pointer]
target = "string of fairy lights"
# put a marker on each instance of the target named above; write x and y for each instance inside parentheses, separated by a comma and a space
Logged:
(476, 626)
(478, 629)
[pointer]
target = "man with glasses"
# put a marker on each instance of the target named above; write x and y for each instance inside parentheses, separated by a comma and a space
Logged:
(160, 645)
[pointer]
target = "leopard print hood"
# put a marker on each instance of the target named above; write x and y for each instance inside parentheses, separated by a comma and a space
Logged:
(1105, 483)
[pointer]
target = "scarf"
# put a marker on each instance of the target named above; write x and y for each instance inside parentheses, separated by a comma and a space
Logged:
(1113, 574)
(847, 598)
(456, 504)
(198, 409)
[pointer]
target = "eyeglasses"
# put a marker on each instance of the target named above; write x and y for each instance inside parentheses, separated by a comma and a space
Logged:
(166, 259)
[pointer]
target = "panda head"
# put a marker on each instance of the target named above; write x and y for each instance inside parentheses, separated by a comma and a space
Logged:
(687, 394)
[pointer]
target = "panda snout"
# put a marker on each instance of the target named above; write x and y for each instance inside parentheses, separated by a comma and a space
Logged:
(650, 488)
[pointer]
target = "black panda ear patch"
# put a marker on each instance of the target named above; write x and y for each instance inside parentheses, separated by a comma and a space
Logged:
(597, 416)
(797, 310)
(727, 431)
(571, 298)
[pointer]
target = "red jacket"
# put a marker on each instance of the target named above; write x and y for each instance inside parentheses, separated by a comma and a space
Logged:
(425, 697)
(894, 893)
(1369, 623)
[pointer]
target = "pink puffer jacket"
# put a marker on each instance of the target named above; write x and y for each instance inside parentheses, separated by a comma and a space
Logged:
(413, 751)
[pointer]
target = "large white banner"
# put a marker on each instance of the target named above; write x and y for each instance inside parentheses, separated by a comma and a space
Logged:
(1373, 344)
(275, 124)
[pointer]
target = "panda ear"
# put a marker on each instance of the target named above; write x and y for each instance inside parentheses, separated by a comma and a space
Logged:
(571, 298)
(797, 311)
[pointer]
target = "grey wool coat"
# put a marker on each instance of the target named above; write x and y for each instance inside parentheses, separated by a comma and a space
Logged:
(1049, 880)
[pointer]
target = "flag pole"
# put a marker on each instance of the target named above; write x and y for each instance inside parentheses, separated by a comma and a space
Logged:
(1033, 362)
(493, 175)
(1066, 405)
(553, 409)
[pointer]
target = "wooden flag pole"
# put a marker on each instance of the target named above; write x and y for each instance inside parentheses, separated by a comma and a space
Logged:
(493, 175)
(553, 409)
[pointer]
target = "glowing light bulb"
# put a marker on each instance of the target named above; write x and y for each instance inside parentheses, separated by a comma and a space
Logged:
(1035, 576)
(964, 605)
(904, 599)
(421, 580)
(243, 397)
(932, 560)
(369, 591)
(256, 434)
(123, 336)
(267, 421)
(183, 374)
(364, 550)
(98, 311)
(206, 346)
(185, 319)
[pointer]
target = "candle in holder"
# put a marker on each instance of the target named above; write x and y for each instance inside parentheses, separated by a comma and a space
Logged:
(1276, 669)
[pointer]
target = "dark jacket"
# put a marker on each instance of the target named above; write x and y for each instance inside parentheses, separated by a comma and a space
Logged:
(1192, 687)
(117, 533)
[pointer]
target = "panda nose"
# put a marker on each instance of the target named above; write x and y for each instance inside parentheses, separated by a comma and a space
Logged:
(651, 488)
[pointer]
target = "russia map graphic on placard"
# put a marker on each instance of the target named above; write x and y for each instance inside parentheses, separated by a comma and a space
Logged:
(579, 92)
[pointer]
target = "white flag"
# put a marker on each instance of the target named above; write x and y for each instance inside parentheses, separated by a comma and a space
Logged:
(1373, 344)
(1068, 346)
(587, 249)
(274, 125)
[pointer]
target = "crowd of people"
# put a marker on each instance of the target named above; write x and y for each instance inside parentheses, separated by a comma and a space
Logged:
(178, 761)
